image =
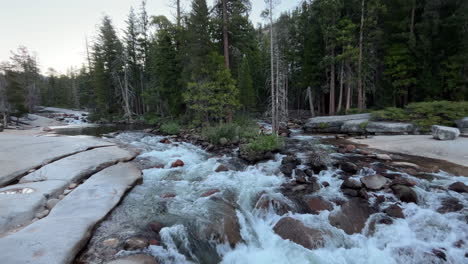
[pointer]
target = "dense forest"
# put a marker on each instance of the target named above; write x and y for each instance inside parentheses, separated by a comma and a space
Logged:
(326, 56)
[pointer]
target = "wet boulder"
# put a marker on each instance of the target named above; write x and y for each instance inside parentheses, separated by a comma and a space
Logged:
(351, 183)
(177, 163)
(394, 211)
(445, 133)
(450, 205)
(288, 164)
(294, 230)
(353, 216)
(156, 226)
(223, 223)
(318, 161)
(458, 187)
(348, 167)
(374, 182)
(300, 176)
(136, 243)
(405, 193)
(221, 168)
(317, 204)
(403, 181)
(279, 206)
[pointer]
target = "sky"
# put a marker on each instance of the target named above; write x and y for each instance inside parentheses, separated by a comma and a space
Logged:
(56, 30)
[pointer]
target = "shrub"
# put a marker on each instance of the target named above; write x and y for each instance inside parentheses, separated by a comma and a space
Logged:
(170, 128)
(235, 131)
(425, 114)
(151, 119)
(265, 143)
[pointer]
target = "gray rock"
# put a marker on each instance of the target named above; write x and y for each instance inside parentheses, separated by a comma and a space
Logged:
(291, 229)
(445, 133)
(355, 126)
(383, 157)
(331, 124)
(42, 214)
(351, 184)
(389, 128)
(462, 124)
(59, 237)
(51, 203)
(136, 243)
(374, 182)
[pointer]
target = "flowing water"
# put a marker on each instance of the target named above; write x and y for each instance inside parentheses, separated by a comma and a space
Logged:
(174, 196)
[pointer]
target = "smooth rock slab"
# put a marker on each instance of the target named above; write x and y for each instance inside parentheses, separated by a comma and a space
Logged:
(390, 128)
(21, 153)
(57, 238)
(331, 123)
(76, 167)
(445, 133)
(19, 209)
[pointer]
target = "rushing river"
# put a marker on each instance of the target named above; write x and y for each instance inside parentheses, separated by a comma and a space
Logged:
(175, 197)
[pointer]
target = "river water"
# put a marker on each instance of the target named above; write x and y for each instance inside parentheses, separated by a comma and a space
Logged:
(174, 196)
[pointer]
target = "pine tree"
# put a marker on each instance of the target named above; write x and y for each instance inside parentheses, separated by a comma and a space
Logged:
(246, 89)
(15, 94)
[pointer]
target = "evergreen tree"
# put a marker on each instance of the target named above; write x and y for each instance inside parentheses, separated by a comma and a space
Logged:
(15, 94)
(246, 89)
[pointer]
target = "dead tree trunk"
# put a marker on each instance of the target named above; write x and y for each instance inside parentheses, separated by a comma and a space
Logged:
(311, 101)
(272, 66)
(361, 37)
(340, 99)
(332, 86)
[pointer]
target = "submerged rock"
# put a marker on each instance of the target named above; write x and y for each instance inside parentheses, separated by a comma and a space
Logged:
(353, 216)
(291, 229)
(221, 168)
(177, 163)
(351, 183)
(394, 211)
(450, 205)
(459, 187)
(405, 193)
(280, 207)
(317, 204)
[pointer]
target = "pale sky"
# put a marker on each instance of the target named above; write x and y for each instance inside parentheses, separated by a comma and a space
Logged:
(56, 29)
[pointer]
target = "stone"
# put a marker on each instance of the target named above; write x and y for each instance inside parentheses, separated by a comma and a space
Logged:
(288, 164)
(458, 187)
(299, 188)
(318, 161)
(168, 195)
(445, 133)
(462, 125)
(291, 229)
(223, 223)
(350, 183)
(390, 128)
(156, 226)
(374, 182)
(300, 176)
(221, 168)
(394, 211)
(135, 243)
(354, 126)
(403, 181)
(67, 191)
(450, 205)
(440, 254)
(405, 193)
(135, 259)
(383, 157)
(42, 214)
(349, 167)
(51, 203)
(280, 207)
(317, 204)
(154, 242)
(72, 186)
(111, 242)
(165, 141)
(350, 148)
(353, 216)
(325, 184)
(61, 196)
(209, 193)
(60, 236)
(46, 129)
(177, 163)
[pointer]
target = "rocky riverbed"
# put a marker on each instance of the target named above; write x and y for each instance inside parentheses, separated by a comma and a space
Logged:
(320, 201)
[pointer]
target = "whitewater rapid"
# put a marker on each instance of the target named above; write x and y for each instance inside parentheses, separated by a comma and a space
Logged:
(409, 240)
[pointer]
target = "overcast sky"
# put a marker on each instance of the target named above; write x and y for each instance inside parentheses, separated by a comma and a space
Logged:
(56, 29)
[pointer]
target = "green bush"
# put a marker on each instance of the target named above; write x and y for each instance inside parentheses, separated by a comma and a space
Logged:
(170, 128)
(265, 143)
(151, 119)
(425, 114)
(240, 129)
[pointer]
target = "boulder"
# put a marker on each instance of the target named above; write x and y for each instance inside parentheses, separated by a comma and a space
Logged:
(462, 125)
(355, 126)
(349, 167)
(288, 164)
(383, 157)
(394, 211)
(291, 229)
(136, 243)
(351, 184)
(403, 181)
(353, 216)
(51, 203)
(177, 163)
(331, 124)
(318, 161)
(317, 204)
(389, 128)
(450, 205)
(405, 193)
(445, 133)
(300, 176)
(156, 226)
(222, 225)
(280, 207)
(458, 187)
(374, 182)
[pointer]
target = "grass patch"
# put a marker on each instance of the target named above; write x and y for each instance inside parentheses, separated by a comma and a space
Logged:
(265, 143)
(243, 130)
(425, 114)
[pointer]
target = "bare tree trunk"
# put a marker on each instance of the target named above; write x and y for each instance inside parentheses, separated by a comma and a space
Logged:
(178, 13)
(413, 9)
(340, 99)
(272, 61)
(361, 36)
(225, 34)
(332, 86)
(348, 89)
(311, 101)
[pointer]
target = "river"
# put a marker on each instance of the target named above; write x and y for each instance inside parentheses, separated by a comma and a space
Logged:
(194, 203)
